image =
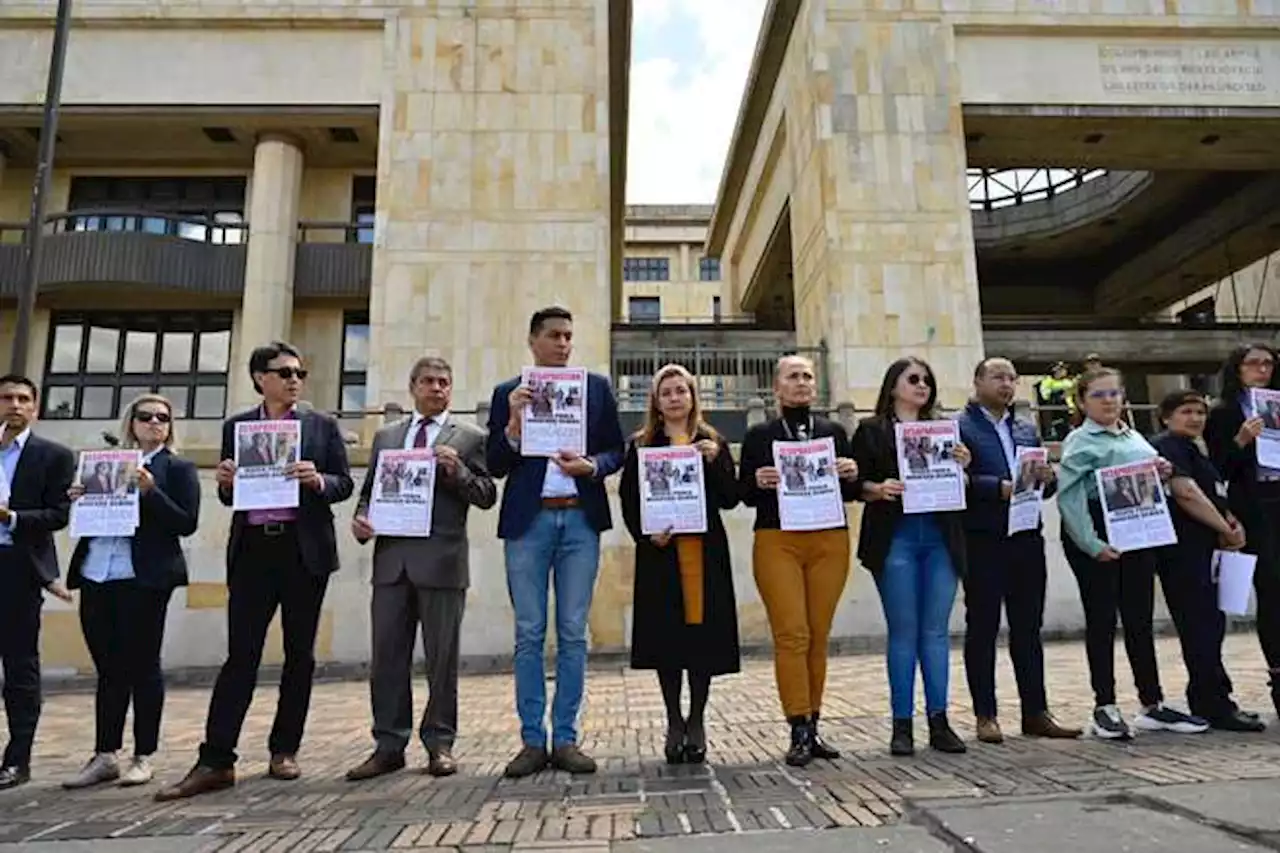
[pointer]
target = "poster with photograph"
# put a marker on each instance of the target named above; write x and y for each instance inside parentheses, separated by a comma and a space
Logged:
(808, 489)
(672, 490)
(556, 418)
(263, 449)
(1028, 492)
(109, 505)
(403, 492)
(1135, 507)
(1266, 405)
(933, 479)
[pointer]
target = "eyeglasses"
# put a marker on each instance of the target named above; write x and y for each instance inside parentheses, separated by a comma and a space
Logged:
(288, 372)
(1261, 363)
(148, 417)
(1106, 393)
(918, 378)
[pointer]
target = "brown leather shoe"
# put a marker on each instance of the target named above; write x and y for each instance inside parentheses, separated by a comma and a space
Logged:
(201, 780)
(284, 768)
(989, 730)
(442, 762)
(1044, 725)
(378, 764)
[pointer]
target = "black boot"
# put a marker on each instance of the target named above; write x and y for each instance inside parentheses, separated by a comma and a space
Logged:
(820, 748)
(903, 742)
(941, 737)
(801, 751)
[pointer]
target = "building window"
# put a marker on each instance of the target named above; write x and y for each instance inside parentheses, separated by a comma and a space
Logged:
(644, 309)
(364, 201)
(355, 362)
(204, 209)
(98, 362)
(646, 269)
(708, 269)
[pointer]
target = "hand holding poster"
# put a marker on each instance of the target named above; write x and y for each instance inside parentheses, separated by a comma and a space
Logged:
(1028, 491)
(404, 492)
(263, 449)
(1266, 405)
(109, 506)
(556, 418)
(808, 489)
(1134, 507)
(927, 467)
(672, 491)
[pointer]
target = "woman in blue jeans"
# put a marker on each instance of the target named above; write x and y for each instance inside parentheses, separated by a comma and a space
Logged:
(916, 559)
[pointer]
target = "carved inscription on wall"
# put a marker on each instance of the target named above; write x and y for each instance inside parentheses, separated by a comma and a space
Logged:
(1182, 69)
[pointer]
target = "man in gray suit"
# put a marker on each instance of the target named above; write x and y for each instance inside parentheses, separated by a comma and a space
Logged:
(422, 581)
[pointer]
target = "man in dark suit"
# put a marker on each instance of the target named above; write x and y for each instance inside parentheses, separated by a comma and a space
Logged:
(33, 505)
(553, 511)
(1003, 570)
(279, 558)
(422, 581)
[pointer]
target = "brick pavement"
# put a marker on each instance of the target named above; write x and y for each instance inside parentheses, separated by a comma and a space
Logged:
(744, 788)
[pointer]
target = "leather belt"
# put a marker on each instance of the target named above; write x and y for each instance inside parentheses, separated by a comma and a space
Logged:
(273, 528)
(559, 503)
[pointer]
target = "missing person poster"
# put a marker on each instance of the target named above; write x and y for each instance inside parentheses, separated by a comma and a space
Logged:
(263, 449)
(1266, 405)
(404, 492)
(927, 467)
(808, 489)
(672, 491)
(556, 418)
(1028, 492)
(1134, 507)
(109, 505)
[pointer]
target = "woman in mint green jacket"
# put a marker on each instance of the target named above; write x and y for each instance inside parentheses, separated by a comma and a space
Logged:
(1110, 581)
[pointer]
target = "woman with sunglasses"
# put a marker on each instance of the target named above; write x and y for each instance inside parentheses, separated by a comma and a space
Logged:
(1110, 581)
(1253, 491)
(917, 560)
(125, 584)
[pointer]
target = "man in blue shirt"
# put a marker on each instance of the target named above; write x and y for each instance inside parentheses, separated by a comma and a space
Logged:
(1003, 570)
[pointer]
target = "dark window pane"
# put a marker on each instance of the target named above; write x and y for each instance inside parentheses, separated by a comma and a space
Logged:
(66, 349)
(96, 403)
(177, 395)
(644, 309)
(139, 352)
(215, 352)
(128, 394)
(353, 397)
(211, 401)
(103, 353)
(355, 347)
(59, 402)
(175, 357)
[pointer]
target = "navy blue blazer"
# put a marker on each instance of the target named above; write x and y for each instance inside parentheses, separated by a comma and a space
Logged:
(988, 512)
(522, 495)
(168, 512)
(38, 494)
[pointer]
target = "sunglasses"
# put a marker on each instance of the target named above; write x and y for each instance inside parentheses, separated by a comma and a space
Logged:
(919, 378)
(148, 417)
(288, 372)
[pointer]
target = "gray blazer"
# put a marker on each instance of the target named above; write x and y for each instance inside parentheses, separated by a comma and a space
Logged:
(439, 561)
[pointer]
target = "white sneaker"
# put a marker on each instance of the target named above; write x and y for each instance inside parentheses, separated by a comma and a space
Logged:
(103, 767)
(139, 772)
(1108, 724)
(1162, 718)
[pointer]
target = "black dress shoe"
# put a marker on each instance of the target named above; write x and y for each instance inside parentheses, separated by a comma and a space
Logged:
(1237, 721)
(673, 748)
(695, 744)
(820, 748)
(903, 740)
(801, 751)
(12, 777)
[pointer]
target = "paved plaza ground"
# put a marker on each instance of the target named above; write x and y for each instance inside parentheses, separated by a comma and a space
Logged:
(1208, 793)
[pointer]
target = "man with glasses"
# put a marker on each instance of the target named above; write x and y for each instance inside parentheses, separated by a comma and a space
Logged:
(276, 559)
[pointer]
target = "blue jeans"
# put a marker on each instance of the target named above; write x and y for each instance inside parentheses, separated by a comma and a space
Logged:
(562, 539)
(917, 590)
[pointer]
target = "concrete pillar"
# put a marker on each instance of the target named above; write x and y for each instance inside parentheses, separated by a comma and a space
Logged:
(885, 262)
(267, 310)
(493, 191)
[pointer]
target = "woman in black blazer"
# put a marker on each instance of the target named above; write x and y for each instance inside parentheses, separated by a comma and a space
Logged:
(125, 584)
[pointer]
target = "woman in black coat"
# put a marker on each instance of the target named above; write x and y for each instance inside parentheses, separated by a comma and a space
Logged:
(125, 585)
(685, 615)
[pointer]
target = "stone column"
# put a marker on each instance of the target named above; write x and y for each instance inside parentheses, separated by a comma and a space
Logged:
(267, 309)
(493, 190)
(884, 260)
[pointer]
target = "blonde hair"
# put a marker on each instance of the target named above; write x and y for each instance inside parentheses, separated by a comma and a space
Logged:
(129, 439)
(653, 415)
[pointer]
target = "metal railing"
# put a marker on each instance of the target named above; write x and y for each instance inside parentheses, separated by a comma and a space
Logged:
(335, 232)
(229, 231)
(690, 320)
(727, 377)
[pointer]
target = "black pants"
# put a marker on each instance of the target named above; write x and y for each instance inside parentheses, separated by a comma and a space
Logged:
(268, 574)
(20, 603)
(1008, 572)
(1126, 585)
(123, 626)
(1260, 527)
(1192, 597)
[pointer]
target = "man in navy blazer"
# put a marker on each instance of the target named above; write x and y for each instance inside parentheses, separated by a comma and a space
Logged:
(1003, 569)
(553, 512)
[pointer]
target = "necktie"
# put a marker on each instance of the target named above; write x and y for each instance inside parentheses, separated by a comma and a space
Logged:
(420, 438)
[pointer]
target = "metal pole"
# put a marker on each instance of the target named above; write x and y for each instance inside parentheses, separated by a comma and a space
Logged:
(34, 239)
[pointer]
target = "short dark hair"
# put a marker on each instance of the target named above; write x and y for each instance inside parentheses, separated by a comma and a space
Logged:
(980, 369)
(19, 379)
(429, 362)
(264, 355)
(541, 316)
(1175, 400)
